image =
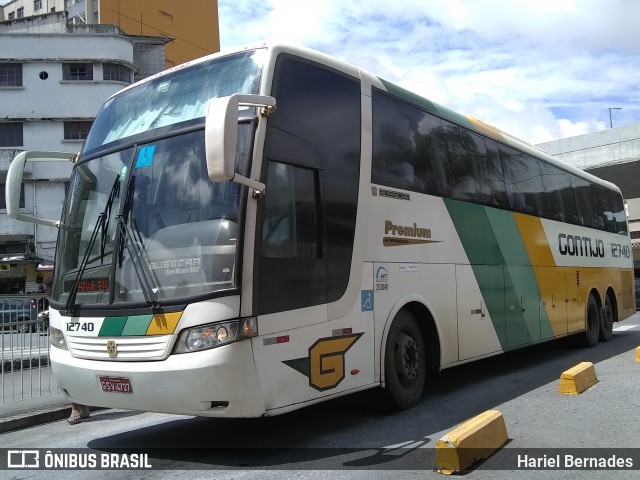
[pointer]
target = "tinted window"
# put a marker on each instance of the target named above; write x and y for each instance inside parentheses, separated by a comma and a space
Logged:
(523, 180)
(316, 129)
(585, 193)
(290, 221)
(472, 141)
(557, 185)
(408, 147)
(475, 167)
(465, 171)
(615, 205)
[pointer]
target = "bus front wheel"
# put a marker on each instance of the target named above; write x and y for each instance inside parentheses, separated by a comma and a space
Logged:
(592, 332)
(404, 362)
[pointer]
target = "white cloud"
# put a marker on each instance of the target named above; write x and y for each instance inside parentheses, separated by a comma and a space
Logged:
(540, 69)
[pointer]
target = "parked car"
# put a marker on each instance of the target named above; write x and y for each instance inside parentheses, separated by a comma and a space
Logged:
(19, 314)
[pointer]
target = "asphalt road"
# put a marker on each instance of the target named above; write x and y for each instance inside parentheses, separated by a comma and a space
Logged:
(353, 438)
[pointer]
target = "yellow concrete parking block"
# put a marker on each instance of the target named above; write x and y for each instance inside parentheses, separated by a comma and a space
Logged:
(474, 440)
(577, 379)
(638, 354)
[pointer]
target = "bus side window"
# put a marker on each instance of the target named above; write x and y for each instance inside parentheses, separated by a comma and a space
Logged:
(553, 181)
(290, 222)
(467, 154)
(408, 147)
(523, 181)
(604, 217)
(616, 206)
(586, 203)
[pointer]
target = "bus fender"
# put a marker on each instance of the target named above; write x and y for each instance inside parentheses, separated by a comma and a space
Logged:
(403, 302)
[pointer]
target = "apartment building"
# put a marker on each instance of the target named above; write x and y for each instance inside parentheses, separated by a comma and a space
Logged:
(60, 60)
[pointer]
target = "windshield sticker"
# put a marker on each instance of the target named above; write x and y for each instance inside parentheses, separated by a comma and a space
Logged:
(163, 87)
(145, 156)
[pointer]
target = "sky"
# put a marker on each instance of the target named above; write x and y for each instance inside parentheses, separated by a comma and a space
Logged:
(539, 69)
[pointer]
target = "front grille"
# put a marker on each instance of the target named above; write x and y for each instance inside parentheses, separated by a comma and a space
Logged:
(153, 347)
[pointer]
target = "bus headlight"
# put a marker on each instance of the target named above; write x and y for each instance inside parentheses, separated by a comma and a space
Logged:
(215, 335)
(56, 338)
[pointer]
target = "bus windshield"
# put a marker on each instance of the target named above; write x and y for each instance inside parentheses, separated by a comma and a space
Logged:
(173, 98)
(143, 223)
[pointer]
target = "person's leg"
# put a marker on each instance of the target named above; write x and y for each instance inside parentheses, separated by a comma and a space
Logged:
(78, 413)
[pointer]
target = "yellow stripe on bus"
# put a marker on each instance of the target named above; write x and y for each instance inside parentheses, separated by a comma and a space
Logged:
(164, 323)
(550, 278)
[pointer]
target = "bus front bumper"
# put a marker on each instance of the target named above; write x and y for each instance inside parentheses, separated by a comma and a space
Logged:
(221, 382)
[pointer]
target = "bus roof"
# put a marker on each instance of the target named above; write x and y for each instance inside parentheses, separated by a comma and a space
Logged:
(467, 121)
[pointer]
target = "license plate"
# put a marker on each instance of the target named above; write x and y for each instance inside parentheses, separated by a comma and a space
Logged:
(116, 384)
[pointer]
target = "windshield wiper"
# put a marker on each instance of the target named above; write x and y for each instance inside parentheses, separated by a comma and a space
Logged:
(103, 223)
(133, 246)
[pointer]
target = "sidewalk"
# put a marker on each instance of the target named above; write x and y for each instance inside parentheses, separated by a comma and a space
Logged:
(33, 411)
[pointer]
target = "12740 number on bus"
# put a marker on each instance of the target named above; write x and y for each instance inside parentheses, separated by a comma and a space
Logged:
(80, 327)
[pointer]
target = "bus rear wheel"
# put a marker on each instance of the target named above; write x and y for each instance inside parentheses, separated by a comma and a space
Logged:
(608, 317)
(592, 331)
(404, 362)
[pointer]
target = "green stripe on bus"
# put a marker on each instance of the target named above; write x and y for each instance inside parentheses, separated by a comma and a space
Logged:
(137, 325)
(522, 302)
(506, 279)
(112, 326)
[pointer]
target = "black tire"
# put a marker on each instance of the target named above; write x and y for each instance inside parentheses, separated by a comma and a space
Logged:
(607, 319)
(405, 363)
(592, 332)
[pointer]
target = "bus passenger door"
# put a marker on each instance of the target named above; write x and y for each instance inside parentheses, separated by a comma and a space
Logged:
(481, 317)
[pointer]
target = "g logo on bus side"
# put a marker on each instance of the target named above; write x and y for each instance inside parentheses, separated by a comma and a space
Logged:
(325, 365)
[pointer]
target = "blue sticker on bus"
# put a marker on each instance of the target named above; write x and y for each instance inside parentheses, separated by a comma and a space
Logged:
(366, 300)
(145, 156)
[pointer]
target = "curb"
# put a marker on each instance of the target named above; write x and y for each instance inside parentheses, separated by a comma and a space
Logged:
(474, 440)
(38, 417)
(33, 418)
(578, 379)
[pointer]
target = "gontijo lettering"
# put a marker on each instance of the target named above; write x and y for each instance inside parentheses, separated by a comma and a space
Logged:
(577, 246)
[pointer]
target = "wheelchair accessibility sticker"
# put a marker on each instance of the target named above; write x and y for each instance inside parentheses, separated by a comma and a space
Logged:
(366, 300)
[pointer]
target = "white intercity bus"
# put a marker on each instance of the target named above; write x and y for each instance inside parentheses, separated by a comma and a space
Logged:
(257, 231)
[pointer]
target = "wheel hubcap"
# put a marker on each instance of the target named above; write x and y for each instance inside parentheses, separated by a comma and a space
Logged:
(407, 359)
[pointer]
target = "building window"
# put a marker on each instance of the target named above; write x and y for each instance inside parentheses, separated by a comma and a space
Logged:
(76, 130)
(11, 15)
(77, 71)
(37, 4)
(21, 12)
(3, 201)
(11, 134)
(10, 74)
(116, 73)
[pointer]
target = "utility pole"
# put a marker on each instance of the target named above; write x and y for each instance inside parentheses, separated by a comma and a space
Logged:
(610, 119)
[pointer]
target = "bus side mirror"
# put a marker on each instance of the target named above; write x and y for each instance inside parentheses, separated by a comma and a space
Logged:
(221, 134)
(13, 184)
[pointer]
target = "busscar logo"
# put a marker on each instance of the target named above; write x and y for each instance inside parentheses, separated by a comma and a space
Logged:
(325, 365)
(383, 192)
